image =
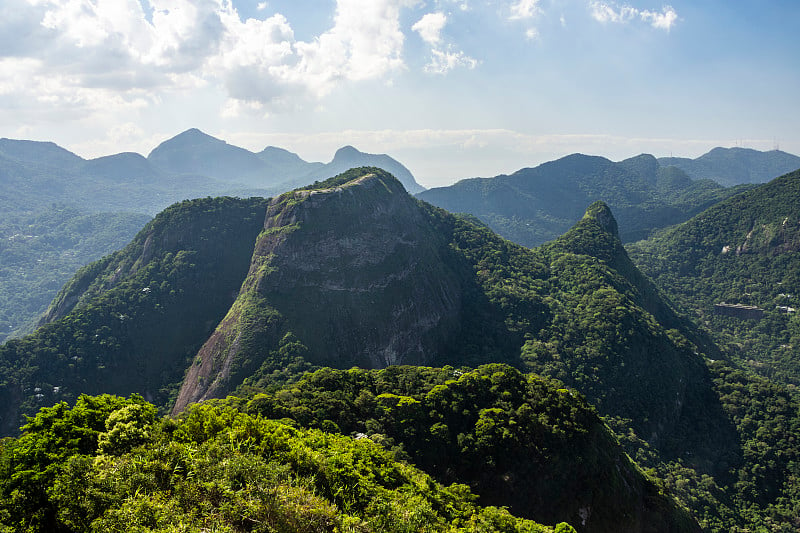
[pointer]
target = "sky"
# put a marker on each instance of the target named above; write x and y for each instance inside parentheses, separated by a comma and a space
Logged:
(451, 88)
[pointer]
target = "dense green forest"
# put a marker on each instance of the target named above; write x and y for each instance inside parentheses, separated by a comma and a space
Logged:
(40, 252)
(746, 250)
(349, 272)
(109, 464)
(132, 321)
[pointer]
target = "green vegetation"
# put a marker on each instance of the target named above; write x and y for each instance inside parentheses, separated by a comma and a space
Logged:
(745, 250)
(358, 273)
(40, 252)
(536, 205)
(107, 464)
(132, 321)
(517, 440)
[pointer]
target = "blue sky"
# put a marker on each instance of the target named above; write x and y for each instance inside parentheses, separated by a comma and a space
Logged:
(451, 88)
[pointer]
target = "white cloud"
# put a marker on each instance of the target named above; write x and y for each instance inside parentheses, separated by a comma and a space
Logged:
(430, 27)
(525, 9)
(443, 61)
(77, 50)
(444, 57)
(605, 12)
(664, 20)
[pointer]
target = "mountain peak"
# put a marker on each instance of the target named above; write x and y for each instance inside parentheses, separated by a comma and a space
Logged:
(601, 213)
(194, 136)
(346, 152)
(195, 152)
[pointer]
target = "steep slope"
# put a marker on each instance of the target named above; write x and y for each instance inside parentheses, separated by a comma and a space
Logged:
(745, 250)
(370, 275)
(733, 166)
(535, 205)
(40, 253)
(354, 272)
(36, 175)
(131, 321)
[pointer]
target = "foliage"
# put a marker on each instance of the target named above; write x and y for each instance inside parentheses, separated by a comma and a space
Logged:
(39, 252)
(219, 469)
(535, 205)
(516, 440)
(132, 321)
(745, 250)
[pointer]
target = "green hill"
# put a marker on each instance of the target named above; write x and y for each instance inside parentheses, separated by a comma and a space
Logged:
(536, 205)
(745, 250)
(224, 296)
(733, 166)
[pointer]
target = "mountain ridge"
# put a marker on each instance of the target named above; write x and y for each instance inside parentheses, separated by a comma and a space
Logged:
(734, 166)
(535, 205)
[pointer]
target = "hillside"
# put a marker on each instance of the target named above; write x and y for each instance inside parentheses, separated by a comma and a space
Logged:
(379, 278)
(132, 321)
(108, 464)
(51, 201)
(745, 250)
(40, 253)
(536, 205)
(734, 166)
(225, 296)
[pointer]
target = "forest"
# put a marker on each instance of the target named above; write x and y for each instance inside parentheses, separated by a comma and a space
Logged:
(560, 385)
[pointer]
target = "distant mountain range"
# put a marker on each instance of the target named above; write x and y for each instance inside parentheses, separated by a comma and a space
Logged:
(192, 164)
(41, 183)
(272, 170)
(734, 166)
(535, 205)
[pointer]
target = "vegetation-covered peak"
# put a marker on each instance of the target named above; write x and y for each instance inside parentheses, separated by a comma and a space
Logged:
(601, 213)
(356, 176)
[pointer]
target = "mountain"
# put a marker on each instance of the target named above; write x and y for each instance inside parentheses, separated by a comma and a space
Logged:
(354, 271)
(733, 166)
(220, 297)
(273, 170)
(194, 152)
(286, 163)
(39, 253)
(744, 250)
(38, 178)
(348, 157)
(121, 168)
(38, 154)
(535, 205)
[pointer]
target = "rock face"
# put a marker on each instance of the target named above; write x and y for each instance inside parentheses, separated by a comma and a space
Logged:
(354, 270)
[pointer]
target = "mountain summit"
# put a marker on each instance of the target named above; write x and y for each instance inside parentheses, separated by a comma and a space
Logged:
(197, 153)
(368, 267)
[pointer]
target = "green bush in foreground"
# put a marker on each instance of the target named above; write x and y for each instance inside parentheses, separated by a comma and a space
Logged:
(108, 464)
